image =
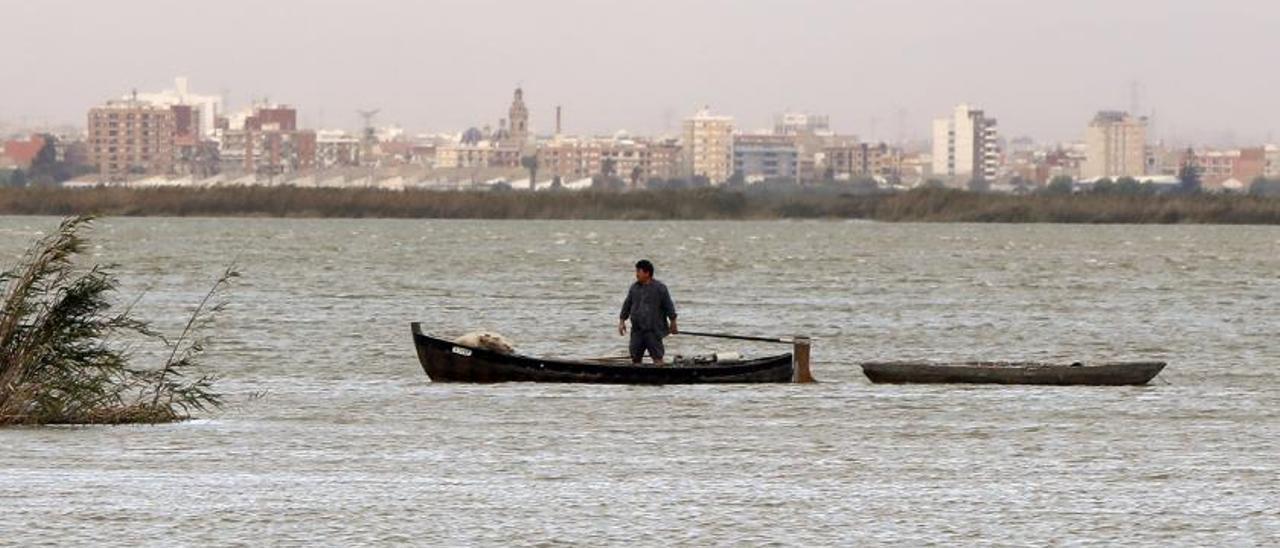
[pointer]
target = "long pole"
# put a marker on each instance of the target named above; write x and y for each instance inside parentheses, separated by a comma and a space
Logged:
(737, 337)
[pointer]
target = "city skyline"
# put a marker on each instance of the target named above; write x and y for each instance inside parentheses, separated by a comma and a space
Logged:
(1043, 76)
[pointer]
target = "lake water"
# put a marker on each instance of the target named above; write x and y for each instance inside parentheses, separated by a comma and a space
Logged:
(351, 443)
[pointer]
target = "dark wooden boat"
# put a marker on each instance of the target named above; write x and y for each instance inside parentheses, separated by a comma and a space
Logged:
(445, 361)
(1099, 374)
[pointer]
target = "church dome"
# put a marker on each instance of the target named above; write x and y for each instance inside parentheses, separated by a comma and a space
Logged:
(472, 136)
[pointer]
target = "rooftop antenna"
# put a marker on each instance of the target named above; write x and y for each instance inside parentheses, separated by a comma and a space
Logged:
(1134, 103)
(902, 125)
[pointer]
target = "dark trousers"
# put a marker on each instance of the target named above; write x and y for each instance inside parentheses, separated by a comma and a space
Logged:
(642, 341)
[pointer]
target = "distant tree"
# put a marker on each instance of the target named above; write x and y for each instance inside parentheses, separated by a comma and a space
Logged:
(1104, 186)
(979, 184)
(934, 184)
(45, 168)
(864, 184)
(636, 173)
(669, 184)
(607, 182)
(1021, 185)
(609, 167)
(501, 186)
(737, 180)
(1189, 175)
(1061, 184)
(530, 163)
(557, 183)
(1130, 186)
(18, 178)
(9, 177)
(1262, 186)
(699, 181)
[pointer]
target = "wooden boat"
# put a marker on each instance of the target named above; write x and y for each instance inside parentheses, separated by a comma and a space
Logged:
(446, 361)
(1099, 374)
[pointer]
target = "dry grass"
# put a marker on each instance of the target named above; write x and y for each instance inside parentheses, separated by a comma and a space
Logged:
(920, 205)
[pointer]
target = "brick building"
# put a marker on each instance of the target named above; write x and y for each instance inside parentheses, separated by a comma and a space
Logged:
(20, 153)
(267, 142)
(131, 138)
(848, 161)
(571, 159)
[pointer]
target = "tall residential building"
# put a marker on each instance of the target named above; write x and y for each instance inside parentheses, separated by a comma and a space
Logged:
(812, 132)
(1272, 166)
(708, 146)
(131, 137)
(765, 157)
(965, 146)
(205, 107)
(1116, 146)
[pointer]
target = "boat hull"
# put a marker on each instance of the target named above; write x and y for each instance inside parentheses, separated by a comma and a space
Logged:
(444, 361)
(1103, 374)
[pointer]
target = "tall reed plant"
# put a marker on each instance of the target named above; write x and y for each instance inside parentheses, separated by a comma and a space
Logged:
(66, 348)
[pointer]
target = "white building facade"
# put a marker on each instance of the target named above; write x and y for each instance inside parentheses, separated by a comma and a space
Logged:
(209, 106)
(965, 146)
(708, 146)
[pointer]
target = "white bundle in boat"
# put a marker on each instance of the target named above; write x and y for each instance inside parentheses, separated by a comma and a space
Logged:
(486, 340)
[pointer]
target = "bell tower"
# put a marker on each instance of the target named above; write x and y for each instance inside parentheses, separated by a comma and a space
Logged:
(519, 118)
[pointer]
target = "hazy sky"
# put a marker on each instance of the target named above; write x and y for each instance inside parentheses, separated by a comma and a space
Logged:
(1209, 69)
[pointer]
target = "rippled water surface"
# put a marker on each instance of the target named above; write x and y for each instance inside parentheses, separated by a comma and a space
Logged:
(352, 444)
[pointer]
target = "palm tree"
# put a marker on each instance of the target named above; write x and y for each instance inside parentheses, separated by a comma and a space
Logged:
(531, 163)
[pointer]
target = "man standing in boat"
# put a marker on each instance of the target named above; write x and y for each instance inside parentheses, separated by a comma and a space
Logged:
(649, 307)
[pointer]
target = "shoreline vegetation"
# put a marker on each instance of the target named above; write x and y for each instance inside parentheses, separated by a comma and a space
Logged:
(67, 353)
(920, 205)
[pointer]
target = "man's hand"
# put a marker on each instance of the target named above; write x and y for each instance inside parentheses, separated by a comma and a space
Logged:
(622, 327)
(674, 330)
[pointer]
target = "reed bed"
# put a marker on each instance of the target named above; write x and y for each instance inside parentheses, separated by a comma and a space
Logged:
(65, 348)
(925, 205)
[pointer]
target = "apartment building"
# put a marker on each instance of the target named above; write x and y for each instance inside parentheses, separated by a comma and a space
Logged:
(1116, 146)
(267, 141)
(965, 146)
(766, 157)
(855, 160)
(131, 138)
(572, 158)
(708, 146)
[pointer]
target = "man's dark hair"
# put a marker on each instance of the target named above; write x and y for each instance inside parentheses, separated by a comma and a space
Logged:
(645, 265)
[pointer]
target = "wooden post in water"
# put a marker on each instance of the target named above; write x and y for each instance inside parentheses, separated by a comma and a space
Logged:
(800, 359)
